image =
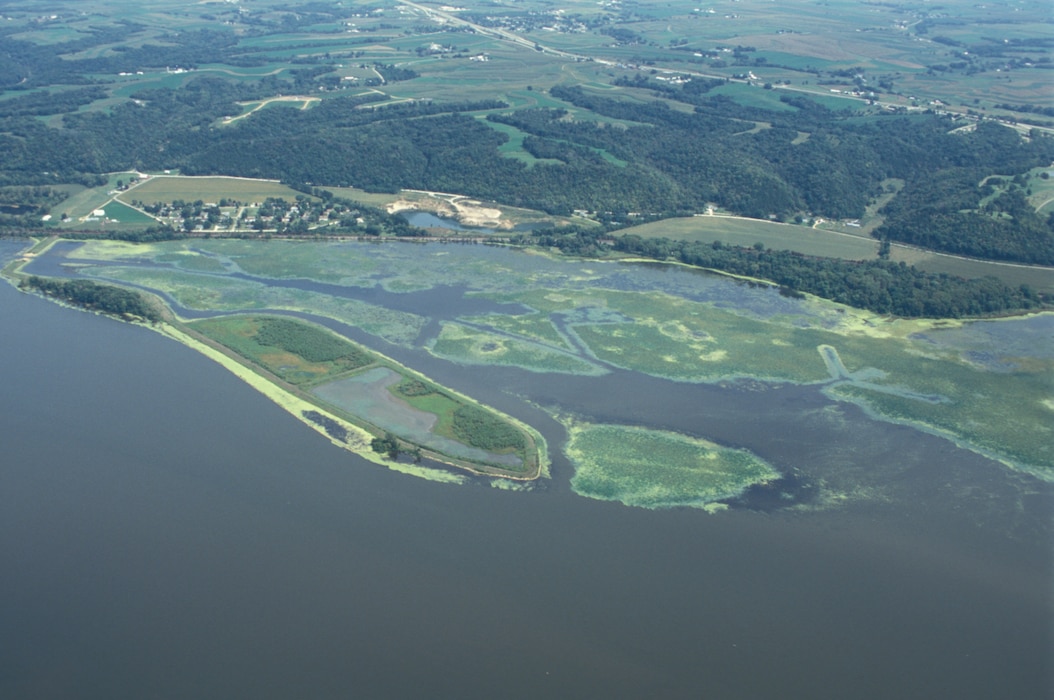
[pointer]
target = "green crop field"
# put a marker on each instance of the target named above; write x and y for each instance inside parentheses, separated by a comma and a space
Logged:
(165, 189)
(747, 232)
(513, 148)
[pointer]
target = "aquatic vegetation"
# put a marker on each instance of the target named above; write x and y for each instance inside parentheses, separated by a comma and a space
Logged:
(461, 343)
(657, 469)
(533, 326)
(672, 337)
(986, 385)
(999, 413)
(225, 293)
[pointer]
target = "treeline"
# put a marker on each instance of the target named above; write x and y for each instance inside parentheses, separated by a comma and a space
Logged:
(876, 285)
(44, 103)
(945, 212)
(153, 234)
(836, 171)
(391, 446)
(654, 162)
(91, 295)
(392, 73)
(22, 207)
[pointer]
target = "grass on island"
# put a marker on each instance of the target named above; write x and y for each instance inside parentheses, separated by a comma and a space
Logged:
(668, 336)
(369, 390)
(209, 292)
(298, 353)
(657, 469)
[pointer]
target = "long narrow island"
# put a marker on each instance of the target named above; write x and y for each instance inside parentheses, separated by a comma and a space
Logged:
(360, 399)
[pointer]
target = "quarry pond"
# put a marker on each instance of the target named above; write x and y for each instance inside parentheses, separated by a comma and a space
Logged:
(877, 488)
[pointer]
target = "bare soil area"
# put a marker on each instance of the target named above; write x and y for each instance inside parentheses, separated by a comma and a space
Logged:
(468, 212)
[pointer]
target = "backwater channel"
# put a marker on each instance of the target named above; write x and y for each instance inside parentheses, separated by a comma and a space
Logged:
(166, 531)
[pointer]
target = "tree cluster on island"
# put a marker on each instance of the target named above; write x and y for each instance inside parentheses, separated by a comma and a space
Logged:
(104, 298)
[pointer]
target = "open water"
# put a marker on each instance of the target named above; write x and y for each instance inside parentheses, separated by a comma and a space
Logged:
(166, 532)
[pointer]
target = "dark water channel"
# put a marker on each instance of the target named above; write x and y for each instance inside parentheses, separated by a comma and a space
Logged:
(166, 532)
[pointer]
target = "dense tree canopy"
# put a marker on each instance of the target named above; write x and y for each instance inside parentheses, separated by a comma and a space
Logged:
(876, 285)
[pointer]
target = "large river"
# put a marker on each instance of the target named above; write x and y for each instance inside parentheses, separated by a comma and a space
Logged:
(166, 532)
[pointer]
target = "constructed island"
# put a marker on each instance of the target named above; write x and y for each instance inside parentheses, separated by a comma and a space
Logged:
(360, 399)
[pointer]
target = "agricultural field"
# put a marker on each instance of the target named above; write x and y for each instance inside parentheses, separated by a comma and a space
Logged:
(747, 232)
(163, 189)
(792, 44)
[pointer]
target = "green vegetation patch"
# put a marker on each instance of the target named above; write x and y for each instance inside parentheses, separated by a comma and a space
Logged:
(535, 326)
(667, 336)
(657, 469)
(223, 293)
(168, 188)
(485, 430)
(296, 351)
(513, 148)
(747, 232)
(752, 96)
(93, 296)
(309, 342)
(460, 343)
(378, 397)
(124, 214)
(997, 410)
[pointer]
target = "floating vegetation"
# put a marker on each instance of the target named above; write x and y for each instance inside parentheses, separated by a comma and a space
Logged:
(461, 343)
(657, 469)
(535, 326)
(987, 385)
(670, 337)
(998, 413)
(222, 293)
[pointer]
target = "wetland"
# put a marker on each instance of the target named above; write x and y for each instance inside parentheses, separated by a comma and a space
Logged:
(363, 319)
(184, 518)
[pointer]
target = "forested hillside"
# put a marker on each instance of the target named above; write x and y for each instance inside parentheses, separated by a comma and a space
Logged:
(654, 161)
